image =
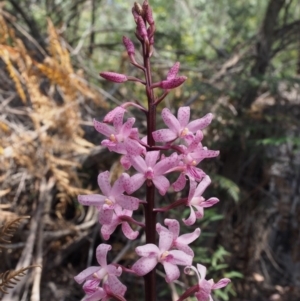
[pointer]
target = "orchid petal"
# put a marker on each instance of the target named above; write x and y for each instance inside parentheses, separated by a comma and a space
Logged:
(101, 254)
(172, 271)
(185, 248)
(103, 128)
(210, 202)
(193, 186)
(221, 283)
(200, 212)
(202, 270)
(125, 162)
(128, 232)
(118, 120)
(189, 237)
(104, 183)
(108, 229)
(202, 186)
(109, 117)
(180, 183)
(170, 120)
(98, 295)
(165, 240)
(126, 128)
(116, 286)
(128, 202)
(138, 163)
(180, 258)
(133, 147)
(144, 265)
(173, 226)
(148, 250)
(86, 274)
(105, 217)
(91, 286)
(164, 135)
(151, 158)
(161, 183)
(201, 123)
(165, 165)
(183, 116)
(91, 199)
(160, 228)
(134, 183)
(191, 219)
(118, 187)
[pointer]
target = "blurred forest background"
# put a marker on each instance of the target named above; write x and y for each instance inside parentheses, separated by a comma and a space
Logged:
(242, 59)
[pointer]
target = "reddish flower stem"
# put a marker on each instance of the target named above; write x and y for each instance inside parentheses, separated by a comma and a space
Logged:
(150, 215)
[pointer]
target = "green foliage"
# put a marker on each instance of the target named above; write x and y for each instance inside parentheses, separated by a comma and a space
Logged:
(229, 186)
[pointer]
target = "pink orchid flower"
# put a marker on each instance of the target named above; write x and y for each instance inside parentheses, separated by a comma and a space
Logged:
(119, 217)
(180, 127)
(195, 199)
(148, 169)
(179, 242)
(112, 196)
(152, 255)
(96, 293)
(123, 138)
(191, 156)
(205, 286)
(105, 271)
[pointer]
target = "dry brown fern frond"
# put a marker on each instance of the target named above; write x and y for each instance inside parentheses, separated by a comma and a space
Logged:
(7, 230)
(10, 278)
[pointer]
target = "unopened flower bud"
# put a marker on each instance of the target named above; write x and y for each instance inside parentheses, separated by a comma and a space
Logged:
(173, 71)
(138, 8)
(135, 14)
(114, 77)
(141, 28)
(129, 46)
(172, 83)
(148, 13)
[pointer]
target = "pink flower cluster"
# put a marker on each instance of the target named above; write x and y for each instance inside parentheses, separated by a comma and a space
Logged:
(148, 166)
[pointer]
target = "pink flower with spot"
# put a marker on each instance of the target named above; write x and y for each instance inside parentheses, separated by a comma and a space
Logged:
(191, 156)
(111, 197)
(105, 272)
(152, 255)
(205, 286)
(96, 293)
(123, 138)
(119, 217)
(180, 127)
(149, 170)
(196, 200)
(179, 242)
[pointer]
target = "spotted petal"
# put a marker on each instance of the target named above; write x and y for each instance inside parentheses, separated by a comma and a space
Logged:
(144, 265)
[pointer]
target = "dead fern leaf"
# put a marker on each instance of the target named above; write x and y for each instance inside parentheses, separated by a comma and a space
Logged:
(7, 230)
(4, 54)
(10, 278)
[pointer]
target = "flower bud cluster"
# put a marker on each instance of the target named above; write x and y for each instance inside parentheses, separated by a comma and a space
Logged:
(179, 151)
